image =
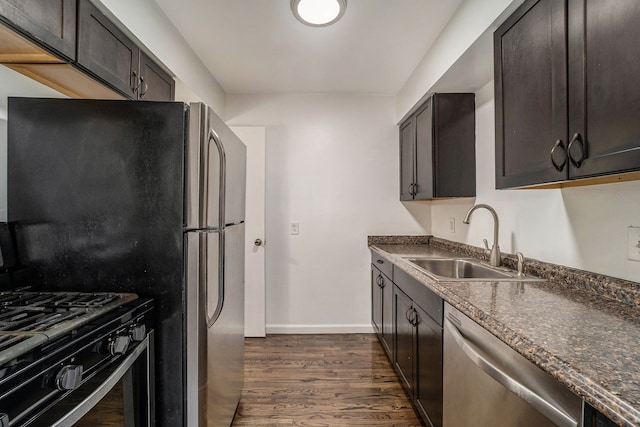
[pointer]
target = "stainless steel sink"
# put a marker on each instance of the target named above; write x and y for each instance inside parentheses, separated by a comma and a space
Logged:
(464, 269)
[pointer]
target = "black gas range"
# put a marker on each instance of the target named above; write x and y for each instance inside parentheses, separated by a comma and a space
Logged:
(64, 354)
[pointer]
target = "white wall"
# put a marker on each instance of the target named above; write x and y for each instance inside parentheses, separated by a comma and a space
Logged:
(150, 25)
(472, 19)
(583, 227)
(331, 166)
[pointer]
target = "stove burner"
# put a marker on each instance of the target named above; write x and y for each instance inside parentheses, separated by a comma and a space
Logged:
(30, 319)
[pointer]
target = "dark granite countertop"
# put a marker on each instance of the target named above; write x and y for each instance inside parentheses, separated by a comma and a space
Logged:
(581, 332)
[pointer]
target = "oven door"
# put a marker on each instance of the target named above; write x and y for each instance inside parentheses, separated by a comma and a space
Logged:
(87, 389)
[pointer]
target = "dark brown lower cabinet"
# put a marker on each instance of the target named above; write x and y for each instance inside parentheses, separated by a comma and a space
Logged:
(376, 300)
(418, 353)
(428, 386)
(381, 302)
(593, 418)
(404, 338)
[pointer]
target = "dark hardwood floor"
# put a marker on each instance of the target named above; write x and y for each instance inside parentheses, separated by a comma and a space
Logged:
(321, 380)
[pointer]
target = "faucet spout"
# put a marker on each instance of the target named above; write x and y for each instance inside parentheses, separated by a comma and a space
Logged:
(494, 253)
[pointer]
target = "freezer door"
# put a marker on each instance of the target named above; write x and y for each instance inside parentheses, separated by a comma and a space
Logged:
(216, 167)
(193, 166)
(225, 338)
(232, 156)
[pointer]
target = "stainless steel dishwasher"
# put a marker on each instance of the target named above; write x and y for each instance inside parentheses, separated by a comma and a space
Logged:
(486, 383)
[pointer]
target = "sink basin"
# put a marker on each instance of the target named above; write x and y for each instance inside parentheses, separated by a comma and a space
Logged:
(463, 269)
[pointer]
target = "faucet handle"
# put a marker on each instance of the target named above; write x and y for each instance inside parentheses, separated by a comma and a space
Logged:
(520, 263)
(487, 251)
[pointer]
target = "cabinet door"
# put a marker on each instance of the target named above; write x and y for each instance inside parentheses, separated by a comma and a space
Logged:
(424, 152)
(531, 95)
(407, 159)
(593, 418)
(604, 65)
(454, 147)
(50, 22)
(376, 300)
(155, 84)
(387, 316)
(403, 338)
(428, 387)
(105, 51)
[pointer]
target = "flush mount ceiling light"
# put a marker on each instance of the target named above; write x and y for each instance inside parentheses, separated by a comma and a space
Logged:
(318, 13)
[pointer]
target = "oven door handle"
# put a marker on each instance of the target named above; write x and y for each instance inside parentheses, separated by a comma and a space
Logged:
(92, 400)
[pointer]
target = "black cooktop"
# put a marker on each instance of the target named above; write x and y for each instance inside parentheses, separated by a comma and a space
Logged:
(30, 319)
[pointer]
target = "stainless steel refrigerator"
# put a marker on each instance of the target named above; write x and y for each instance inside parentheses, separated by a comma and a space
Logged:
(144, 197)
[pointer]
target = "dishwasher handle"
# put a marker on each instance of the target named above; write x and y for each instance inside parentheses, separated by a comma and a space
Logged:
(483, 362)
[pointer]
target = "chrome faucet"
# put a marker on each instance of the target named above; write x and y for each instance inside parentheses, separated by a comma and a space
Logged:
(494, 252)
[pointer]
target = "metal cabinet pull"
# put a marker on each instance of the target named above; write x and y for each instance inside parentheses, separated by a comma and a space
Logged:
(406, 315)
(412, 316)
(136, 82)
(576, 141)
(145, 87)
(559, 144)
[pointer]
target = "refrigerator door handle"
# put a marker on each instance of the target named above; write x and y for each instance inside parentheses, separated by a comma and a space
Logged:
(220, 302)
(204, 197)
(213, 137)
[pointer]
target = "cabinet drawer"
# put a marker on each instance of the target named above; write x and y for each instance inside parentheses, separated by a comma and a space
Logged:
(431, 303)
(382, 264)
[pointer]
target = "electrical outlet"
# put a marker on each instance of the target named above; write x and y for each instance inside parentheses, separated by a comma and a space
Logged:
(634, 243)
(452, 225)
(294, 228)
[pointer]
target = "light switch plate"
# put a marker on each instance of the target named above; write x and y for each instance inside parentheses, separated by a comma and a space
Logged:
(634, 243)
(294, 228)
(452, 225)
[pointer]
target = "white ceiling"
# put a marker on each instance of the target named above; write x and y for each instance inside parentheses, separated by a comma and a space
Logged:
(257, 46)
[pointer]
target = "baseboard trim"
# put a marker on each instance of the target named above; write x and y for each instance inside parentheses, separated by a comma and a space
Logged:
(319, 329)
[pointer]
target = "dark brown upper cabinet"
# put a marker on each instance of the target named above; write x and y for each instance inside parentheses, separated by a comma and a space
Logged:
(72, 47)
(107, 53)
(437, 149)
(50, 23)
(604, 89)
(567, 92)
(155, 84)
